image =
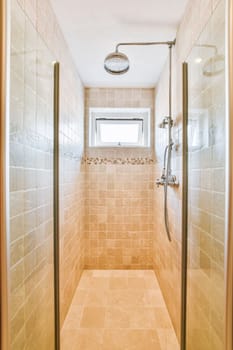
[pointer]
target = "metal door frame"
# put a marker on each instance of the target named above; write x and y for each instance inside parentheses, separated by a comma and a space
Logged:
(4, 168)
(184, 208)
(229, 182)
(56, 237)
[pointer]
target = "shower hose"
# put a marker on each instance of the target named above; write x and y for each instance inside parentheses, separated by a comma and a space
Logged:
(167, 167)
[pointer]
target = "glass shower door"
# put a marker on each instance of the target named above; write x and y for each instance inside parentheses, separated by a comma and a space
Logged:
(31, 236)
(206, 189)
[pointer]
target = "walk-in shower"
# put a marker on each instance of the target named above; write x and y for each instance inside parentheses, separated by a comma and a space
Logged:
(85, 262)
(117, 63)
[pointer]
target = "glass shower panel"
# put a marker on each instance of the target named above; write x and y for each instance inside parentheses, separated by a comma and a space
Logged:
(206, 191)
(31, 275)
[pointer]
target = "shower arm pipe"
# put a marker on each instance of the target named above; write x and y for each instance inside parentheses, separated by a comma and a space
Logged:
(170, 96)
(169, 119)
(170, 44)
(146, 43)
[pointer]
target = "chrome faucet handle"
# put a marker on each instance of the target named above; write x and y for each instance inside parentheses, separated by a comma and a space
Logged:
(161, 181)
(172, 181)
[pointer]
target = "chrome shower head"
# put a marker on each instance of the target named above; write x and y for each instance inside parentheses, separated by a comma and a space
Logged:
(116, 63)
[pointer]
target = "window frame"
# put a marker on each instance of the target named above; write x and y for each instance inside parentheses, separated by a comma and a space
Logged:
(114, 115)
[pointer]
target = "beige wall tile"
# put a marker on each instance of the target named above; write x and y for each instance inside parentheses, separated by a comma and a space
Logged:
(207, 168)
(118, 196)
(34, 29)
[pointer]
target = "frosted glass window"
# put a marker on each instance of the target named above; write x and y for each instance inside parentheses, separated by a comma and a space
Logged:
(119, 132)
(119, 128)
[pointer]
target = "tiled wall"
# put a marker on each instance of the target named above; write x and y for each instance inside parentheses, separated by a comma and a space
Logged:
(36, 41)
(207, 96)
(119, 192)
(31, 165)
(118, 98)
(167, 256)
(108, 198)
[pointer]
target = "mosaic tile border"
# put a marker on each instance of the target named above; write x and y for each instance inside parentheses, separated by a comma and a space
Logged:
(117, 161)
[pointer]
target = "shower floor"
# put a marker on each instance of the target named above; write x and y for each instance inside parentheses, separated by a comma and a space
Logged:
(118, 310)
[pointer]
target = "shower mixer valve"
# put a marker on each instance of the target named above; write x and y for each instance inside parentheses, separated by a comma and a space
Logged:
(167, 178)
(172, 181)
(167, 121)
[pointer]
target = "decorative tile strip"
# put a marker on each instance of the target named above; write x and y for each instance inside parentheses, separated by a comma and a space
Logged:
(120, 161)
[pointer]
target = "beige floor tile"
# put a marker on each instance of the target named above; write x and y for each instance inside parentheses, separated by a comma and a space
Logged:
(101, 273)
(149, 274)
(93, 317)
(118, 282)
(136, 273)
(82, 339)
(85, 282)
(167, 339)
(79, 297)
(73, 318)
(128, 297)
(162, 319)
(118, 310)
(142, 318)
(88, 273)
(154, 298)
(96, 297)
(99, 283)
(130, 340)
(117, 317)
(90, 339)
(151, 283)
(67, 339)
(119, 273)
(136, 283)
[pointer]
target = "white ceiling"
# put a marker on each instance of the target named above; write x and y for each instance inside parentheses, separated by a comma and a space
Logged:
(92, 28)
